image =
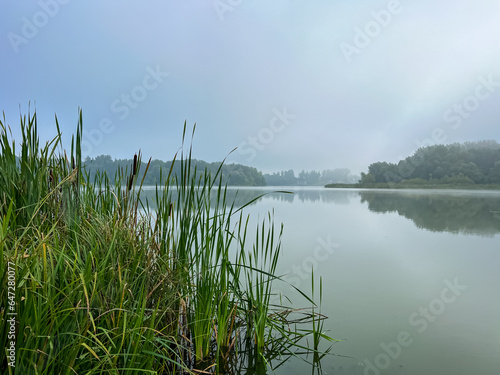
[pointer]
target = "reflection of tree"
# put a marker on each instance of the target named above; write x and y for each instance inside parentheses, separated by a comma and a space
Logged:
(440, 213)
(241, 196)
(316, 195)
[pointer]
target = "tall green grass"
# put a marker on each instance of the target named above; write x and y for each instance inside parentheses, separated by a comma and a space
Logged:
(106, 284)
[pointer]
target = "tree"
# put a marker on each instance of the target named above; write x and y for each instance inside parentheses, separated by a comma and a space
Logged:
(472, 160)
(367, 178)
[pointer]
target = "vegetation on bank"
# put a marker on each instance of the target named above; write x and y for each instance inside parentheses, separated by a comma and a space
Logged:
(471, 165)
(467, 163)
(310, 178)
(232, 174)
(419, 184)
(104, 284)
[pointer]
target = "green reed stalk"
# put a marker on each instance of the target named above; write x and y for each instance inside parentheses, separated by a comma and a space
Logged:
(104, 285)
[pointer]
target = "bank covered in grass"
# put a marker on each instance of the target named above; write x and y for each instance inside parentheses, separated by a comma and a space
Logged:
(105, 284)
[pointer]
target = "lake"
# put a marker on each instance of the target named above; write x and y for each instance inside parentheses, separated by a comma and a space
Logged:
(410, 278)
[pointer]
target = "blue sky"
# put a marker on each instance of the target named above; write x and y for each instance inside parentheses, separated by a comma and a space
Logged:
(302, 85)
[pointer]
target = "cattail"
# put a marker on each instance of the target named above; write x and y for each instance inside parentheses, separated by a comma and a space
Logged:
(135, 165)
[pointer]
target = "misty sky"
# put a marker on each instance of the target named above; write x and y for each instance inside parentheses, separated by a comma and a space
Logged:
(293, 84)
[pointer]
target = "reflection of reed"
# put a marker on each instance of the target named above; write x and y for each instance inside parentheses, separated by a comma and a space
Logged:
(472, 213)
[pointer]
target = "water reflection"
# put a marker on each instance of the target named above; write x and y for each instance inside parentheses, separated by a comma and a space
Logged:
(465, 213)
(316, 196)
(291, 195)
(243, 195)
(239, 196)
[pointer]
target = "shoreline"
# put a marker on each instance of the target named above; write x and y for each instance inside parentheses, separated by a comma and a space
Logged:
(385, 185)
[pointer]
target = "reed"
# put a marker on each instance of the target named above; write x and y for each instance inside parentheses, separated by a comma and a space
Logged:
(106, 284)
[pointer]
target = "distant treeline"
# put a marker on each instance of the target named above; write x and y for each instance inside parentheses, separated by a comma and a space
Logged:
(311, 178)
(232, 174)
(457, 163)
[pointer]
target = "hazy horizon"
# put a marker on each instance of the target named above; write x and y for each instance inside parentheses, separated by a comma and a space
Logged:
(294, 86)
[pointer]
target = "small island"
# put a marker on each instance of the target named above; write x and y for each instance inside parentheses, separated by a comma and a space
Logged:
(470, 165)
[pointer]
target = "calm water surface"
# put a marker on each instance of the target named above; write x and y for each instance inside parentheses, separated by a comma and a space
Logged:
(410, 278)
(418, 266)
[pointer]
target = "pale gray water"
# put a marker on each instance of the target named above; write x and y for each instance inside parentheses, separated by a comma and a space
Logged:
(397, 251)
(383, 257)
